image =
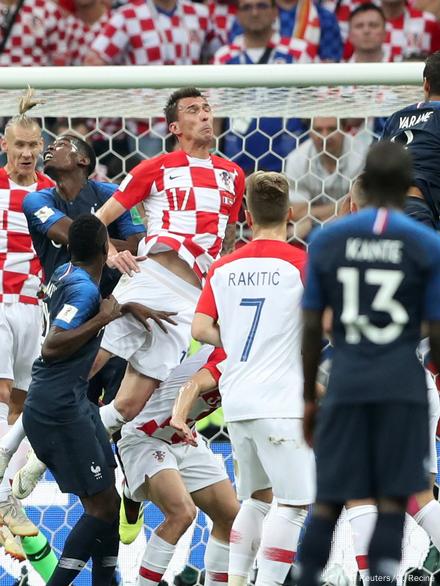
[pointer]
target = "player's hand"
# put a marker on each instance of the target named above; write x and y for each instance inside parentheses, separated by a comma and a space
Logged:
(183, 430)
(143, 313)
(309, 421)
(110, 309)
(125, 262)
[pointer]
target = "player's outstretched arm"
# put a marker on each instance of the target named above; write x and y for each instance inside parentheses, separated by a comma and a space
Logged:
(206, 330)
(201, 382)
(311, 352)
(61, 343)
(142, 314)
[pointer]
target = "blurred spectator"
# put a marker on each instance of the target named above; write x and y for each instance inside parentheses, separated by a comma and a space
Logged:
(367, 34)
(154, 32)
(409, 31)
(90, 17)
(323, 167)
(222, 15)
(261, 143)
(31, 33)
(306, 20)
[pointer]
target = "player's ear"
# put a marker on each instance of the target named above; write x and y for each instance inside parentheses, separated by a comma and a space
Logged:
(174, 128)
(426, 87)
(249, 219)
(83, 161)
(4, 145)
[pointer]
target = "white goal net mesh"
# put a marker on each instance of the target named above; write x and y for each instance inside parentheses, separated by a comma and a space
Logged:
(318, 135)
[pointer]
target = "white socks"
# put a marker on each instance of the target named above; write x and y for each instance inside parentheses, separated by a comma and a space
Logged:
(157, 556)
(245, 539)
(17, 462)
(428, 518)
(111, 418)
(16, 434)
(4, 412)
(362, 520)
(216, 562)
(279, 543)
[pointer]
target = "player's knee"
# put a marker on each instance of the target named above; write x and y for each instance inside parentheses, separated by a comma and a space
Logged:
(223, 521)
(5, 391)
(127, 406)
(181, 514)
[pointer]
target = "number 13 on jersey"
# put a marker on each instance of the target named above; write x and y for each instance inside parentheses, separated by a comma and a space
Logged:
(388, 282)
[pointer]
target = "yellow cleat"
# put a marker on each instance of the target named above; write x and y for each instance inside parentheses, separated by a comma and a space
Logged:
(129, 531)
(11, 545)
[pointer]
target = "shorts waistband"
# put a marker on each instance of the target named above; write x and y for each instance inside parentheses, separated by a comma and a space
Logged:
(170, 280)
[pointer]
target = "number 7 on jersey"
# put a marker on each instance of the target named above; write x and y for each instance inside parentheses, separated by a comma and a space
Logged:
(258, 303)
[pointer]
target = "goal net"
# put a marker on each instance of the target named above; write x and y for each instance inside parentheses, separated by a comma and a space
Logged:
(314, 122)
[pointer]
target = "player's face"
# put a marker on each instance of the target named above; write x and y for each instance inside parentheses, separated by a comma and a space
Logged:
(22, 146)
(367, 31)
(194, 121)
(326, 136)
(61, 155)
(256, 16)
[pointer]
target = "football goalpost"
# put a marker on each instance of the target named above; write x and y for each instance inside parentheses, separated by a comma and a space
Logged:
(120, 110)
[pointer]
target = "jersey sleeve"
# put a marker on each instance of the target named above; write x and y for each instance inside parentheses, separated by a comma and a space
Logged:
(239, 192)
(124, 225)
(386, 132)
(137, 184)
(40, 211)
(214, 359)
(207, 304)
(314, 297)
(432, 292)
(80, 303)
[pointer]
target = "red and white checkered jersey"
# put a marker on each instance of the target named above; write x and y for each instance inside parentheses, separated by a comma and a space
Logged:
(188, 203)
(140, 34)
(411, 33)
(254, 294)
(20, 269)
(154, 419)
(80, 36)
(283, 49)
(222, 17)
(37, 36)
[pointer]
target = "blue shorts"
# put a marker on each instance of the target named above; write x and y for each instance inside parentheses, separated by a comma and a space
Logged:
(371, 450)
(78, 453)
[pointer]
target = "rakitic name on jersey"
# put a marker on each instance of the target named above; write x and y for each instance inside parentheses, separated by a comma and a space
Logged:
(255, 278)
(374, 250)
(406, 121)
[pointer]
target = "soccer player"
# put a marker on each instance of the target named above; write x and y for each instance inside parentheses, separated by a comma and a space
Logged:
(417, 128)
(62, 425)
(161, 467)
(250, 305)
(378, 271)
(69, 160)
(424, 508)
(20, 312)
(192, 200)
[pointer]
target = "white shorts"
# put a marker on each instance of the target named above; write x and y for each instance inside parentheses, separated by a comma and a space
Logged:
(144, 456)
(272, 453)
(20, 341)
(154, 353)
(434, 412)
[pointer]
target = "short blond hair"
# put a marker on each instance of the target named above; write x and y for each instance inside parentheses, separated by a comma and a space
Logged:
(267, 197)
(26, 103)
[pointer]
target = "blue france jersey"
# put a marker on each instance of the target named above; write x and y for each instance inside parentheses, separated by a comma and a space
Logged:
(58, 391)
(418, 128)
(379, 272)
(44, 208)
